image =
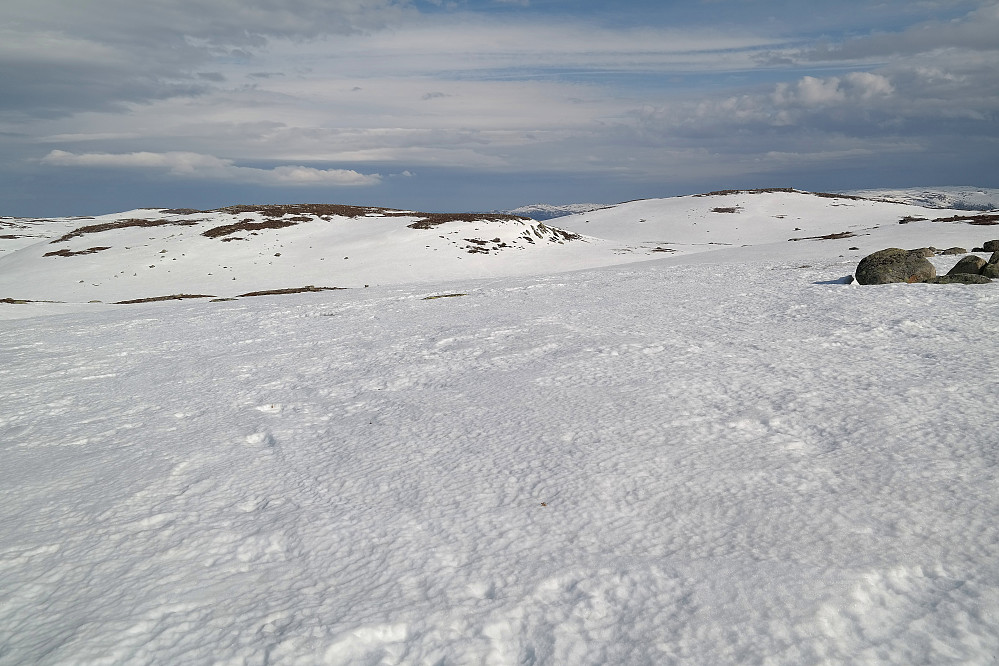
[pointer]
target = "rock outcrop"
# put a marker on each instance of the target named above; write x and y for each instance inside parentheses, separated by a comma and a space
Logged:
(896, 265)
(959, 278)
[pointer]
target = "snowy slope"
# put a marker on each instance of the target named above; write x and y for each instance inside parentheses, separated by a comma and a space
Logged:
(963, 198)
(16, 232)
(702, 457)
(153, 253)
(734, 226)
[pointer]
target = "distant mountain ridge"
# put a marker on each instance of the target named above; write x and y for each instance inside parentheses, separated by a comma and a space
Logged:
(959, 197)
(542, 211)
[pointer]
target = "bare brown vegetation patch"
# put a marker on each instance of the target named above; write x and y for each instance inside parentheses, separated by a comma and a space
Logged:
(431, 298)
(293, 290)
(985, 219)
(763, 190)
(171, 297)
(431, 220)
(121, 224)
(226, 229)
(318, 210)
(70, 253)
(837, 236)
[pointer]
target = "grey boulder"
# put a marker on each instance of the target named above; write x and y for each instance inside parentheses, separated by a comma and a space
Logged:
(970, 264)
(894, 265)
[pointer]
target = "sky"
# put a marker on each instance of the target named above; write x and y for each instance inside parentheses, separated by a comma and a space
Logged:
(437, 105)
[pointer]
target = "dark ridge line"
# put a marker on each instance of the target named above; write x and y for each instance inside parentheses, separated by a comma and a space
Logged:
(153, 299)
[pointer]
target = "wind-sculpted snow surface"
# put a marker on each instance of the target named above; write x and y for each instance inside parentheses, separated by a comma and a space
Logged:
(649, 464)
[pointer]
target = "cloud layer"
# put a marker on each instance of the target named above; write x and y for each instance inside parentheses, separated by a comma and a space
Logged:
(330, 93)
(194, 165)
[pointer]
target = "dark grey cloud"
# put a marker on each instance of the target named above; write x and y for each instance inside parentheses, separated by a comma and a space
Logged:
(59, 57)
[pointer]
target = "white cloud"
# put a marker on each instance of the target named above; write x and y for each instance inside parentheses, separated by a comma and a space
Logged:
(464, 43)
(196, 165)
(810, 91)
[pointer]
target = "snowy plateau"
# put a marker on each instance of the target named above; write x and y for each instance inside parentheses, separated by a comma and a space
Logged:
(669, 431)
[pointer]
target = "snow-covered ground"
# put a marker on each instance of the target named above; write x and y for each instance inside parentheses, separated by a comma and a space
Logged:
(151, 253)
(721, 454)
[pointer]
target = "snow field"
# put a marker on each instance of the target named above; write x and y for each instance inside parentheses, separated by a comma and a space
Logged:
(647, 464)
(379, 249)
(141, 262)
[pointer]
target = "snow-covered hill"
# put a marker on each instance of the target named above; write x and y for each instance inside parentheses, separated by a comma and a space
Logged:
(154, 253)
(961, 198)
(701, 448)
(223, 253)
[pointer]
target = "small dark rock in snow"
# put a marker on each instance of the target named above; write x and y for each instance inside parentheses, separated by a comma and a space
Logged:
(991, 246)
(955, 250)
(894, 265)
(970, 264)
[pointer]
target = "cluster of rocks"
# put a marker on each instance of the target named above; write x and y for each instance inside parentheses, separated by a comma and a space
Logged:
(897, 265)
